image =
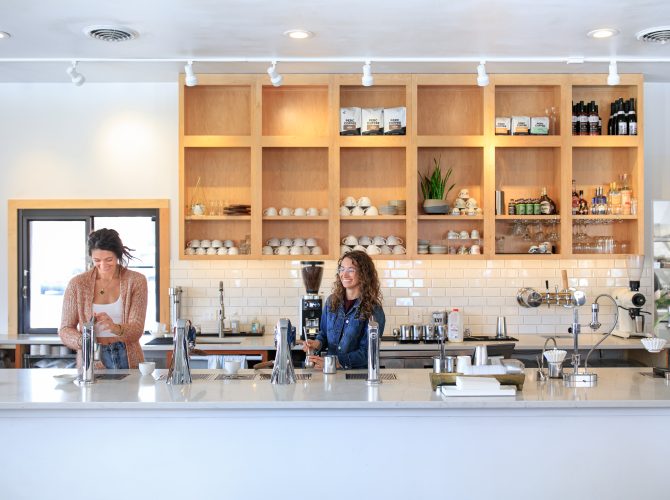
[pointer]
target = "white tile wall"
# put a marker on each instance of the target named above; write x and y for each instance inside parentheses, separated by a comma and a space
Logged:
(412, 289)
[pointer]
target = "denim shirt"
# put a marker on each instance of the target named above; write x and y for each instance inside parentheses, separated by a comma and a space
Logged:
(345, 335)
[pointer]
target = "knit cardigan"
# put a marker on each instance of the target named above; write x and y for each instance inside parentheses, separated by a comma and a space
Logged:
(78, 309)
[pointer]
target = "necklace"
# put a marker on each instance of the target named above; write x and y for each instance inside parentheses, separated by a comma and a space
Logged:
(109, 281)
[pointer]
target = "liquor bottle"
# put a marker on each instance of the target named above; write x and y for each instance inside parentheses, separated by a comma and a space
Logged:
(626, 195)
(615, 199)
(622, 121)
(593, 119)
(547, 205)
(583, 120)
(602, 205)
(600, 122)
(594, 203)
(575, 198)
(575, 120)
(583, 205)
(610, 123)
(632, 118)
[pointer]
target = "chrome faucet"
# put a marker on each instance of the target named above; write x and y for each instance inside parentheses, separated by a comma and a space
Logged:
(180, 369)
(90, 353)
(540, 361)
(282, 372)
(222, 312)
(373, 352)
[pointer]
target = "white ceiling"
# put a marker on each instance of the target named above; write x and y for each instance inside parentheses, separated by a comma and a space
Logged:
(345, 29)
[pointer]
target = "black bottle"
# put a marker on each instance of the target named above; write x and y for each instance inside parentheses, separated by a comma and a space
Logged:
(632, 118)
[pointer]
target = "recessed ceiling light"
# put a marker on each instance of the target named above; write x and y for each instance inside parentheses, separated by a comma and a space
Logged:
(298, 34)
(4, 34)
(603, 33)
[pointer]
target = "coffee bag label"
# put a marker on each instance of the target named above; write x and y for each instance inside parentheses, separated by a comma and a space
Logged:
(539, 125)
(350, 121)
(373, 121)
(395, 121)
(503, 125)
(520, 125)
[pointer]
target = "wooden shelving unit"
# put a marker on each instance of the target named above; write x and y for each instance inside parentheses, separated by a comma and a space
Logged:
(252, 143)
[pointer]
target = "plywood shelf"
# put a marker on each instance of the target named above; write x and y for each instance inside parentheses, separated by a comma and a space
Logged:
(217, 141)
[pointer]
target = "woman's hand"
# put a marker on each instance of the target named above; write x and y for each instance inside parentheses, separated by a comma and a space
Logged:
(310, 346)
(106, 323)
(317, 360)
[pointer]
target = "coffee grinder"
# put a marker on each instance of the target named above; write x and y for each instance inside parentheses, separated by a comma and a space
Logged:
(311, 303)
(630, 301)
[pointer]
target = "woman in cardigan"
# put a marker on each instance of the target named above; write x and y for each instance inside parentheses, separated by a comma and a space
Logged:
(114, 295)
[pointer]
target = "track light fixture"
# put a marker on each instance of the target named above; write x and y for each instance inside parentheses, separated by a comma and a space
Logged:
(77, 78)
(367, 80)
(275, 77)
(613, 78)
(482, 77)
(191, 78)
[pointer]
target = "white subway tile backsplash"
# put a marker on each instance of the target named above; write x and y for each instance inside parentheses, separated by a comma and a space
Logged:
(412, 289)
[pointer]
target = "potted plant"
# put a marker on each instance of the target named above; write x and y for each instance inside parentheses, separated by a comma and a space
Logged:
(433, 189)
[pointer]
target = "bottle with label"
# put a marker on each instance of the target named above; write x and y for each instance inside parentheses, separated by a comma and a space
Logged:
(632, 118)
(511, 207)
(583, 120)
(615, 199)
(455, 326)
(575, 198)
(611, 126)
(593, 119)
(583, 204)
(626, 195)
(547, 205)
(622, 121)
(575, 120)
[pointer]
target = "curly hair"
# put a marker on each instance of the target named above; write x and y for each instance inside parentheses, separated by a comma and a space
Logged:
(109, 239)
(371, 294)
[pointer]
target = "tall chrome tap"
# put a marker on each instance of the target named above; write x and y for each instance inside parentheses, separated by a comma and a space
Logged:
(283, 372)
(89, 353)
(373, 352)
(175, 306)
(180, 369)
(222, 311)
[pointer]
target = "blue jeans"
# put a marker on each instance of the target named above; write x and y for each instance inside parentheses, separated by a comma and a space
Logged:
(114, 356)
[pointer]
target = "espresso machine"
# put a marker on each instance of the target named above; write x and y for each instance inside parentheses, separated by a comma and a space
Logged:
(311, 304)
(630, 300)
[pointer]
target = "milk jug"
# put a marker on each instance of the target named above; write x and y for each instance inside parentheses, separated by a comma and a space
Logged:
(455, 326)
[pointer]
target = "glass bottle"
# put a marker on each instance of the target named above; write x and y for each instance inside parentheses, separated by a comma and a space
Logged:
(583, 204)
(626, 195)
(575, 198)
(547, 205)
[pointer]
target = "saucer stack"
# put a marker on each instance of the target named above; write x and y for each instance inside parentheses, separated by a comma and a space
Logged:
(388, 210)
(422, 247)
(400, 206)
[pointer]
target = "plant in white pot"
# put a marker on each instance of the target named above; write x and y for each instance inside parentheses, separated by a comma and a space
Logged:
(433, 189)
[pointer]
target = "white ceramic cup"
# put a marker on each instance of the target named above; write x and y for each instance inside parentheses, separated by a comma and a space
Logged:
(190, 251)
(344, 249)
(385, 250)
(372, 211)
(286, 242)
(399, 250)
(349, 202)
(205, 243)
(373, 250)
(464, 194)
(282, 250)
(298, 242)
(147, 367)
(359, 247)
(471, 203)
(285, 211)
(464, 235)
(463, 363)
(194, 243)
(363, 202)
(324, 212)
(394, 240)
(344, 211)
(312, 211)
(311, 242)
(273, 242)
(379, 240)
(222, 251)
(462, 250)
(350, 240)
(455, 211)
(270, 212)
(233, 251)
(228, 243)
(459, 203)
(316, 250)
(211, 251)
(474, 234)
(217, 243)
(299, 212)
(231, 367)
(479, 211)
(452, 235)
(305, 250)
(365, 240)
(471, 211)
(475, 250)
(200, 251)
(267, 250)
(357, 211)
(295, 251)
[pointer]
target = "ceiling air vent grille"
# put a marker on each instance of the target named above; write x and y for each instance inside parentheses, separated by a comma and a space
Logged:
(660, 34)
(110, 33)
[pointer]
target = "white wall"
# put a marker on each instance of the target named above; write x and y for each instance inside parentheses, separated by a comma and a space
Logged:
(121, 141)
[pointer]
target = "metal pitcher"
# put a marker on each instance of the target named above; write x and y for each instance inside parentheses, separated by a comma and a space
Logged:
(283, 372)
(180, 369)
(90, 353)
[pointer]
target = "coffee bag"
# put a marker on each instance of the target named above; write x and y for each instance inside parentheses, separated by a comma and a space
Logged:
(373, 121)
(395, 121)
(350, 121)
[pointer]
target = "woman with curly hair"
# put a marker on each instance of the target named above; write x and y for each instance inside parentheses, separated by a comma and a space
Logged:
(114, 295)
(356, 298)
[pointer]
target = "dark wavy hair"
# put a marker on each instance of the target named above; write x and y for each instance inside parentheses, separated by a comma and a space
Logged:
(109, 239)
(371, 294)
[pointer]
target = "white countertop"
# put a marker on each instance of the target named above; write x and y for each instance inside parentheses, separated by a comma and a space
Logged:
(266, 342)
(35, 389)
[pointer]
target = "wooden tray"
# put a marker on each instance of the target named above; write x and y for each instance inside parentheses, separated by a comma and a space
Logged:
(516, 379)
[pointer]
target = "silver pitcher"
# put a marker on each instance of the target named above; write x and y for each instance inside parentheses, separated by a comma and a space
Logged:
(373, 352)
(180, 369)
(90, 353)
(283, 372)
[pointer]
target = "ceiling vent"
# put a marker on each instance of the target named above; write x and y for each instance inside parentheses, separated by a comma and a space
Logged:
(110, 33)
(660, 34)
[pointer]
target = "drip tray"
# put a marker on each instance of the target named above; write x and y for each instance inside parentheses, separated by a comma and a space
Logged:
(110, 376)
(194, 376)
(236, 377)
(364, 376)
(486, 338)
(298, 376)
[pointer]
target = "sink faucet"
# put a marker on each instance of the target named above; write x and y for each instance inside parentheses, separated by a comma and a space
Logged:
(373, 352)
(540, 361)
(222, 312)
